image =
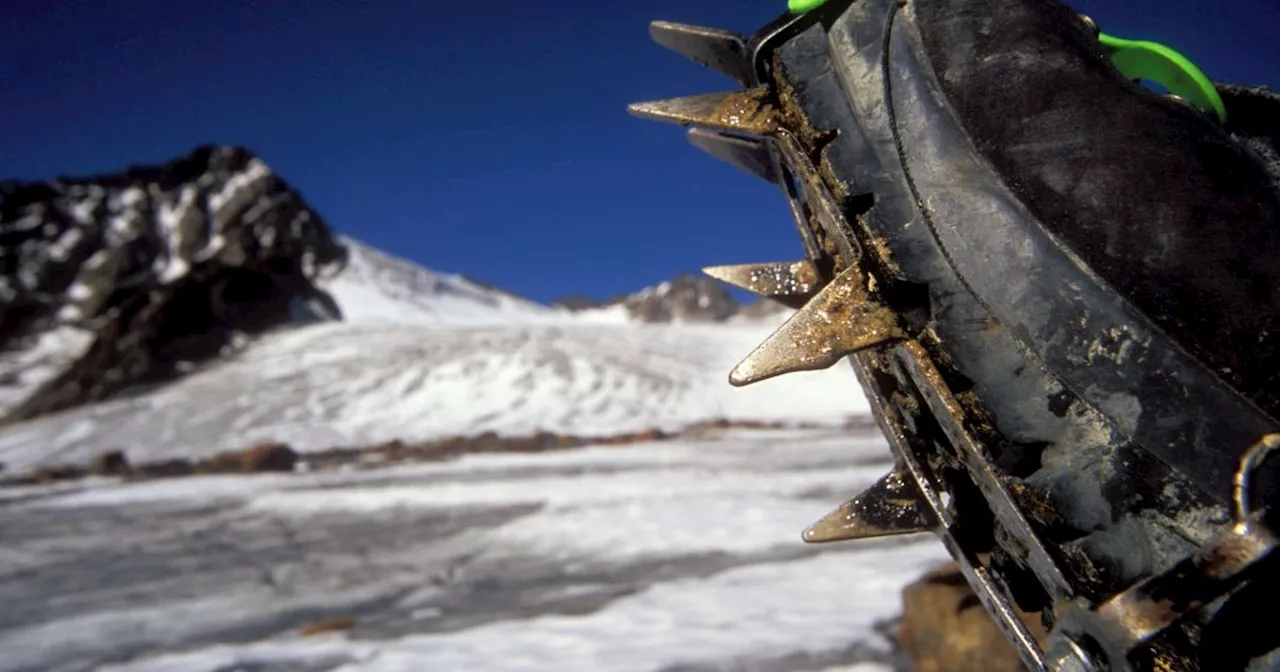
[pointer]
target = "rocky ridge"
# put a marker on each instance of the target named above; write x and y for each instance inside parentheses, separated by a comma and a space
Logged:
(112, 281)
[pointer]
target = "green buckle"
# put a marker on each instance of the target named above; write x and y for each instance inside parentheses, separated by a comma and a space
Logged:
(1138, 59)
(802, 6)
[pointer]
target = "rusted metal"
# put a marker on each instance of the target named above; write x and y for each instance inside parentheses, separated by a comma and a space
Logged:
(841, 319)
(1066, 655)
(815, 193)
(724, 51)
(791, 283)
(795, 204)
(746, 154)
(747, 111)
(1132, 618)
(881, 377)
(1249, 463)
(891, 506)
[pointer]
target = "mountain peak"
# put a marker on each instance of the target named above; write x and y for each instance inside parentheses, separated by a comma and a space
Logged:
(147, 270)
(684, 298)
(381, 288)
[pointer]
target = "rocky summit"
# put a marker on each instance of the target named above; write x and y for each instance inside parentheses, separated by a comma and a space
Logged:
(111, 281)
(685, 298)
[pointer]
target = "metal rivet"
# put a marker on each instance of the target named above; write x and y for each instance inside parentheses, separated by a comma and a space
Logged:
(1090, 24)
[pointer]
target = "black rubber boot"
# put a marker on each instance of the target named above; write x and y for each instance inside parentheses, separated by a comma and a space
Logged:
(1124, 239)
(1091, 266)
(1102, 262)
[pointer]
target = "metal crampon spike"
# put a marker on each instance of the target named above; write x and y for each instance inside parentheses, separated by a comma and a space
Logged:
(724, 51)
(747, 154)
(748, 111)
(893, 505)
(841, 319)
(790, 283)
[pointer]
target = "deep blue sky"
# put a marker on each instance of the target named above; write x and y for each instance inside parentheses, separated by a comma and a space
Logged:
(484, 138)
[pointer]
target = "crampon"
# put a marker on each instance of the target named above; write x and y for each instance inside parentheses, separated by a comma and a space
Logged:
(1058, 288)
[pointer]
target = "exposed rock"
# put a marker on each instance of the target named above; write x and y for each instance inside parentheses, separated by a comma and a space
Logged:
(164, 469)
(268, 457)
(944, 627)
(646, 435)
(324, 625)
(579, 302)
(137, 276)
(112, 463)
(279, 457)
(226, 462)
(685, 298)
(263, 457)
(58, 472)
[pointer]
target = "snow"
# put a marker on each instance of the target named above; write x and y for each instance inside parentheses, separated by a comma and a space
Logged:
(79, 291)
(122, 229)
(768, 454)
(171, 217)
(335, 384)
(60, 249)
(739, 614)
(648, 556)
(606, 526)
(82, 211)
(237, 184)
(420, 355)
(22, 370)
(127, 198)
(615, 314)
(683, 552)
(379, 288)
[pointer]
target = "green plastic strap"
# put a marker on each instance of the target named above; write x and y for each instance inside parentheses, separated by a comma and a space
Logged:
(802, 6)
(1137, 59)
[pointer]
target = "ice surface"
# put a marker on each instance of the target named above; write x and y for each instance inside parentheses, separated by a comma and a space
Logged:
(641, 557)
(763, 611)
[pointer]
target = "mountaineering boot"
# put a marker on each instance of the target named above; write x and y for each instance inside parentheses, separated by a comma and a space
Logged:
(1059, 289)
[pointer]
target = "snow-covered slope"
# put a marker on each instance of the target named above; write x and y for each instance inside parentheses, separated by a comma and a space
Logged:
(680, 555)
(339, 384)
(379, 288)
(420, 354)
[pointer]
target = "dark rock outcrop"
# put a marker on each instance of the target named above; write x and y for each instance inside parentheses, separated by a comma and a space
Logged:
(579, 302)
(273, 456)
(685, 298)
(944, 628)
(154, 270)
(112, 463)
(268, 457)
(328, 625)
